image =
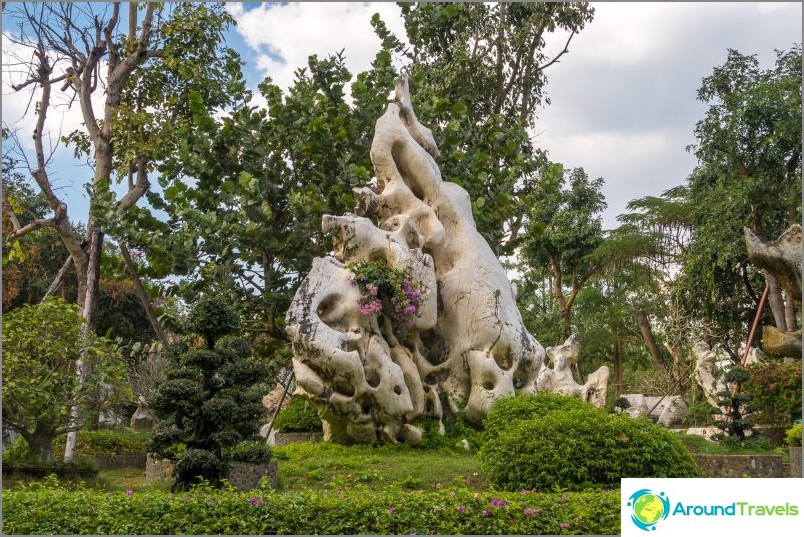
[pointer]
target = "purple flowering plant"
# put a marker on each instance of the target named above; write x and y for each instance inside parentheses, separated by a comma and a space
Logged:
(387, 290)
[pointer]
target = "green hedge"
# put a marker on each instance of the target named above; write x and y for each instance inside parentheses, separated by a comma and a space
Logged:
(298, 416)
(575, 448)
(106, 443)
(53, 510)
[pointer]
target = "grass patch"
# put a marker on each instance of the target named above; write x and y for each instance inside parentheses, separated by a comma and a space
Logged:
(320, 465)
(751, 446)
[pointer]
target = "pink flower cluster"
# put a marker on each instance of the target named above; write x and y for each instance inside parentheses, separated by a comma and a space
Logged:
(407, 305)
(368, 303)
(530, 511)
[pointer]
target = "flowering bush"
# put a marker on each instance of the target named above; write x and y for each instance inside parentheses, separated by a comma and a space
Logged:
(776, 391)
(387, 290)
(52, 509)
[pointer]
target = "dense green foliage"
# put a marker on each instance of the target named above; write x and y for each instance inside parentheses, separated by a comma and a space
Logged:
(108, 443)
(737, 421)
(298, 416)
(253, 452)
(776, 391)
(42, 345)
(793, 435)
(54, 510)
(211, 399)
(524, 407)
(575, 448)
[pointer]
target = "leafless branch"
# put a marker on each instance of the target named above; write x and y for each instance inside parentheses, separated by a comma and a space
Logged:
(565, 50)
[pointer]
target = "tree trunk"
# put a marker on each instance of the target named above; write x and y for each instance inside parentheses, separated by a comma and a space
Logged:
(89, 313)
(40, 445)
(142, 295)
(776, 301)
(790, 313)
(650, 341)
(618, 367)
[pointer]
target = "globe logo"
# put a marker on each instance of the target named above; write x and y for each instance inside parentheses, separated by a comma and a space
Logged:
(648, 508)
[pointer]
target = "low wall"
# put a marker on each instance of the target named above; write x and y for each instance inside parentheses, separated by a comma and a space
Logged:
(283, 439)
(242, 475)
(761, 465)
(795, 461)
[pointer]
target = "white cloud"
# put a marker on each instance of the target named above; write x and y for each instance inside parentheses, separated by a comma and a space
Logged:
(283, 37)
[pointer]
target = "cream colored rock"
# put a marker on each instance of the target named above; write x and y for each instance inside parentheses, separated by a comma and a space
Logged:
(468, 345)
(558, 379)
(709, 371)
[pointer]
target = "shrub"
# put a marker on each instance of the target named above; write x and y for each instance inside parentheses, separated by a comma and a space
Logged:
(793, 435)
(41, 345)
(250, 452)
(298, 416)
(108, 443)
(211, 399)
(776, 391)
(735, 423)
(49, 510)
(523, 407)
(576, 449)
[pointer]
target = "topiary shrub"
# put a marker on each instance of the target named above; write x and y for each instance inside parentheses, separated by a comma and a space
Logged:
(299, 416)
(563, 445)
(527, 406)
(250, 452)
(211, 399)
(108, 443)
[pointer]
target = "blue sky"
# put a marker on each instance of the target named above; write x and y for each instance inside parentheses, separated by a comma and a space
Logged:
(623, 99)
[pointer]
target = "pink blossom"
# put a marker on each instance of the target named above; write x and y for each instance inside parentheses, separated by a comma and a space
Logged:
(461, 509)
(564, 526)
(486, 512)
(409, 310)
(129, 492)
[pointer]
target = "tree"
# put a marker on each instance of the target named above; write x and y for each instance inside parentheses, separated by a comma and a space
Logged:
(42, 344)
(69, 44)
(564, 228)
(748, 174)
(211, 399)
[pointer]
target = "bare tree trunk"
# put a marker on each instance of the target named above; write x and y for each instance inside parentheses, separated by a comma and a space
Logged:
(142, 295)
(650, 341)
(59, 279)
(618, 366)
(790, 313)
(89, 312)
(776, 301)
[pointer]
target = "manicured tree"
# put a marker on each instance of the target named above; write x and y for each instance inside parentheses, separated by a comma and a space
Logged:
(212, 398)
(734, 422)
(42, 344)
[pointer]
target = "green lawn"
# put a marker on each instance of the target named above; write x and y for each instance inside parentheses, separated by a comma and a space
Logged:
(331, 466)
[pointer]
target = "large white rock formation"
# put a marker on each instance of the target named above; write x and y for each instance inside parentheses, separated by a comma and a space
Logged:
(467, 346)
(558, 379)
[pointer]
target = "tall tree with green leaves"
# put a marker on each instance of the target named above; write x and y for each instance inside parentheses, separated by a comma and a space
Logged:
(564, 229)
(748, 174)
(82, 50)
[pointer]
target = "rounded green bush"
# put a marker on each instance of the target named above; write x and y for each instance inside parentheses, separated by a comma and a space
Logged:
(576, 449)
(298, 416)
(250, 452)
(528, 406)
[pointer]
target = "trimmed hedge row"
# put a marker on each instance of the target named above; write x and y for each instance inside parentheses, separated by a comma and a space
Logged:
(54, 510)
(106, 443)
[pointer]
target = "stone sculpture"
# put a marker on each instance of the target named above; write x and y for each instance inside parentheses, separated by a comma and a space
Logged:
(709, 371)
(559, 379)
(466, 345)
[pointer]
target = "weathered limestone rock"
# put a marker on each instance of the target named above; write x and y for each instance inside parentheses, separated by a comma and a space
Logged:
(142, 418)
(781, 257)
(638, 405)
(559, 379)
(709, 371)
(468, 345)
(672, 411)
(782, 344)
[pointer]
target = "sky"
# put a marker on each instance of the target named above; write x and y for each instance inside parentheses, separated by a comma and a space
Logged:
(623, 101)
